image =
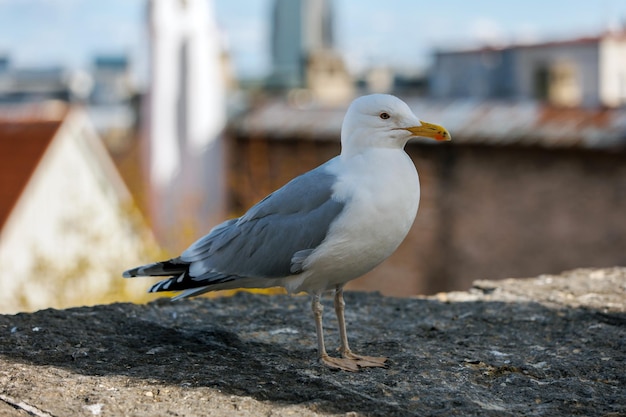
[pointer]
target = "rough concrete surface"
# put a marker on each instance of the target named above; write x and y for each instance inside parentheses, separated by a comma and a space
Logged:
(549, 346)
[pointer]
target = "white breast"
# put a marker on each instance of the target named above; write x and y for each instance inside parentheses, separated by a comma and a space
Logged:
(381, 191)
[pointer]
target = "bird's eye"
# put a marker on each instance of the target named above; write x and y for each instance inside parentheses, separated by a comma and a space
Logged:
(384, 116)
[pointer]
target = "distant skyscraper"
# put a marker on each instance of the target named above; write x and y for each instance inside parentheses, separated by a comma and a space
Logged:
(299, 28)
(303, 52)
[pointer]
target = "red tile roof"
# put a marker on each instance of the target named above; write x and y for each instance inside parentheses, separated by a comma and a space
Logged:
(23, 143)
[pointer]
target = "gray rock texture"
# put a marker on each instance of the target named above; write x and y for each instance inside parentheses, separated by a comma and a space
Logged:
(547, 346)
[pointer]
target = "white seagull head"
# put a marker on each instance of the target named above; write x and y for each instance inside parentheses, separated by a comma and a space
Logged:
(384, 121)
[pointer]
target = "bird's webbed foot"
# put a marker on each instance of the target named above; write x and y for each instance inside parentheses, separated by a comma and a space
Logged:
(352, 362)
(365, 361)
(339, 364)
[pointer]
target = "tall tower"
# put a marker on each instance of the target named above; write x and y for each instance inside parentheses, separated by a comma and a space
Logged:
(303, 52)
(184, 121)
(287, 44)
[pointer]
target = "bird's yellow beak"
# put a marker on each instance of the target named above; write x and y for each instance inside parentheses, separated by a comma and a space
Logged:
(429, 130)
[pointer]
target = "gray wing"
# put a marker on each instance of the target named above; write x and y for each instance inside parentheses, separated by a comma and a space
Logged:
(274, 237)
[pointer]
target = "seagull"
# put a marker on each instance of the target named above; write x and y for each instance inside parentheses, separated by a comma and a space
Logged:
(320, 230)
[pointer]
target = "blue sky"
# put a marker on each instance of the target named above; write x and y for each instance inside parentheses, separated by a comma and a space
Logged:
(398, 33)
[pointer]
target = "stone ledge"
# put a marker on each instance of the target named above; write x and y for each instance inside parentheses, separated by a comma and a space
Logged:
(601, 289)
(552, 345)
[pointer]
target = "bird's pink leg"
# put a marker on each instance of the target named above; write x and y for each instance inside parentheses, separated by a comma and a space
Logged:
(333, 363)
(346, 353)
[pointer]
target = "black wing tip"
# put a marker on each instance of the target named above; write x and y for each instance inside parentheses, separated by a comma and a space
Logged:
(158, 286)
(131, 273)
(175, 283)
(184, 282)
(158, 269)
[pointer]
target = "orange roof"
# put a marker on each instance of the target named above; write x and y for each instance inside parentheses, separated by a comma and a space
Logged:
(22, 145)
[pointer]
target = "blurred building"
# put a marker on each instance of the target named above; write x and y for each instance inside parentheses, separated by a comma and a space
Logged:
(303, 54)
(4, 64)
(112, 102)
(112, 83)
(523, 188)
(184, 115)
(27, 85)
(67, 221)
(587, 72)
(107, 91)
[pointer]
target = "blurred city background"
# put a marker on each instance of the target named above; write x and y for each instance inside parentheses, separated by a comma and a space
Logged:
(128, 128)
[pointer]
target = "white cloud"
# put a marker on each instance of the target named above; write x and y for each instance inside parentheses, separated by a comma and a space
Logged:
(486, 31)
(527, 33)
